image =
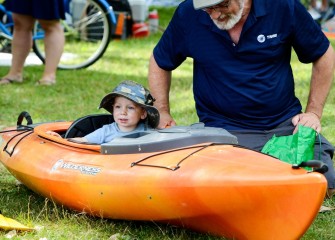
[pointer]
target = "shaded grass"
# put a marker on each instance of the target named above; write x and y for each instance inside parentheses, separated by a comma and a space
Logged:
(56, 222)
(78, 93)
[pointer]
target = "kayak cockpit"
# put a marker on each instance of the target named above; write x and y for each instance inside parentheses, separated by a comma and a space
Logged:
(145, 141)
(137, 142)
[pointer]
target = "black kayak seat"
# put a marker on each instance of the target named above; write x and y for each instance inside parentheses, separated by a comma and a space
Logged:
(87, 124)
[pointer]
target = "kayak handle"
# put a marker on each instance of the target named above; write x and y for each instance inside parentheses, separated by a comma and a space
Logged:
(23, 115)
(317, 166)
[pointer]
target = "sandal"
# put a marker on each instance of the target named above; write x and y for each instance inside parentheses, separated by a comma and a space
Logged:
(7, 80)
(46, 82)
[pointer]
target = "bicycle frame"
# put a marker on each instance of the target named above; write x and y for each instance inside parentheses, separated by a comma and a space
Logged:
(4, 32)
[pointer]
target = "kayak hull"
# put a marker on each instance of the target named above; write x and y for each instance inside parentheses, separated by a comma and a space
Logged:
(221, 189)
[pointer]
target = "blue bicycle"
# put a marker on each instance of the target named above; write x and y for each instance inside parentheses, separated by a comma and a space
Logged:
(88, 29)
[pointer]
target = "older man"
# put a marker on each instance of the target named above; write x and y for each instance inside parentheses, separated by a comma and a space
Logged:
(243, 79)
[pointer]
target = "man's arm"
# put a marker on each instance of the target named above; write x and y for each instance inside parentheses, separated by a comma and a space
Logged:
(159, 84)
(321, 81)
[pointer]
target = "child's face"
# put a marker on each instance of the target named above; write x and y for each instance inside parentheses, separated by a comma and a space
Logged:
(127, 113)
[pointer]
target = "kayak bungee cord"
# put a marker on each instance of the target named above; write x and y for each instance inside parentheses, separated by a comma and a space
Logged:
(28, 130)
(202, 147)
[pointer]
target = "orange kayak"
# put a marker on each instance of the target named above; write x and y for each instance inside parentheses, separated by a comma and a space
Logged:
(194, 176)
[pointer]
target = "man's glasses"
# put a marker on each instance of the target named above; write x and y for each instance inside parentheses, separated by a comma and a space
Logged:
(224, 4)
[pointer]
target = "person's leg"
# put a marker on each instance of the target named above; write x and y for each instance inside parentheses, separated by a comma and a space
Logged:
(21, 45)
(54, 44)
(325, 153)
(324, 5)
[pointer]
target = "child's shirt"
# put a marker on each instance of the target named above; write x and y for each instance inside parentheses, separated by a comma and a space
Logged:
(108, 132)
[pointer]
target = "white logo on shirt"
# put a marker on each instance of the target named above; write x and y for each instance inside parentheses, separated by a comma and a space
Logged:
(271, 36)
(261, 38)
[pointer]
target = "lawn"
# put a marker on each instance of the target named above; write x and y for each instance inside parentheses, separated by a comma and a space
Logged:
(78, 93)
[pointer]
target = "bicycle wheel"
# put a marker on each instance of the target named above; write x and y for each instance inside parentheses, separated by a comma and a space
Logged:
(87, 31)
(6, 30)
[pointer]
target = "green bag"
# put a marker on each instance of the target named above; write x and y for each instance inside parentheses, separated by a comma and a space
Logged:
(293, 149)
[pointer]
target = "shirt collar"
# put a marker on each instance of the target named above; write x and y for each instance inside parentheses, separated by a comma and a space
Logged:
(260, 7)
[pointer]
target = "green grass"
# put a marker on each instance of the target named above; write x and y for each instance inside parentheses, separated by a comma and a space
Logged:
(78, 93)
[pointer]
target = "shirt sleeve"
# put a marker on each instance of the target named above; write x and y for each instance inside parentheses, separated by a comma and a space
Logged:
(170, 51)
(97, 137)
(309, 42)
(109, 132)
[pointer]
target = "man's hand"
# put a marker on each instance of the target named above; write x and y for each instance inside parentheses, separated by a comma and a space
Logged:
(308, 119)
(159, 84)
(166, 120)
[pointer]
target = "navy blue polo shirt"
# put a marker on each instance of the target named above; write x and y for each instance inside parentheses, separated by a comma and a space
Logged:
(248, 85)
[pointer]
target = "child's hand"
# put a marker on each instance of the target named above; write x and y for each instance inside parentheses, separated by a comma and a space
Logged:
(53, 134)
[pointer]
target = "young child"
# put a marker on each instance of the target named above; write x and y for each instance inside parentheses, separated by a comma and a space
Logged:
(132, 107)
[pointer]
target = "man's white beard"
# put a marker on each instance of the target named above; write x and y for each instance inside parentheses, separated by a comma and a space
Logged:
(233, 19)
